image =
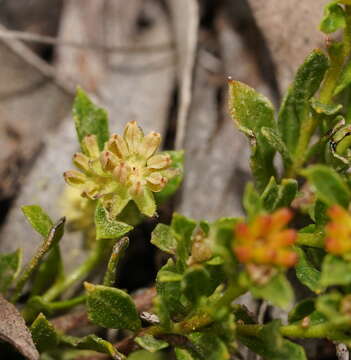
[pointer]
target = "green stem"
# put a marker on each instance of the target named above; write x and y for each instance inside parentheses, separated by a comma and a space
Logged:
(315, 331)
(202, 319)
(324, 330)
(29, 312)
(66, 304)
(81, 272)
(307, 129)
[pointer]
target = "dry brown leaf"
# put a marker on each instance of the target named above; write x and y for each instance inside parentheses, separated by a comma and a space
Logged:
(14, 330)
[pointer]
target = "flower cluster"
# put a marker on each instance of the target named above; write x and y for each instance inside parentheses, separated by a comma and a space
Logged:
(127, 169)
(265, 241)
(338, 232)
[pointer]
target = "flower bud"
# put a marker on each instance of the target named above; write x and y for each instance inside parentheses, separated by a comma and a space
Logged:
(156, 182)
(150, 144)
(91, 146)
(108, 161)
(133, 136)
(200, 249)
(265, 241)
(81, 161)
(118, 146)
(75, 178)
(121, 172)
(159, 162)
(170, 173)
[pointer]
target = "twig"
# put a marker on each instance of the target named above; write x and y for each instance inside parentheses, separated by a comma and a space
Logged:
(49, 40)
(28, 56)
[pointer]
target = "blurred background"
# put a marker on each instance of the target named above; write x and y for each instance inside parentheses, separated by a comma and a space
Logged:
(164, 63)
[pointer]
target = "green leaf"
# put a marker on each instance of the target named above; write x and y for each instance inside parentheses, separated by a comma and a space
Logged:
(295, 109)
(311, 236)
(48, 272)
(44, 334)
(163, 238)
(162, 312)
(145, 355)
(271, 345)
(183, 354)
(320, 214)
(89, 119)
(329, 185)
(287, 193)
(111, 308)
(149, 343)
(221, 236)
(278, 291)
(334, 18)
(170, 291)
(92, 342)
(208, 346)
(145, 202)
(183, 228)
(251, 112)
(117, 254)
(10, 265)
(301, 310)
(196, 283)
(325, 109)
(107, 228)
(329, 306)
(335, 271)
(306, 272)
(174, 183)
(270, 194)
(275, 140)
(51, 241)
(276, 196)
(344, 80)
(38, 218)
(252, 201)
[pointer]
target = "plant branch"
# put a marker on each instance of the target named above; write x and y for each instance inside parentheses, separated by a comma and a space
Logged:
(81, 272)
(49, 40)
